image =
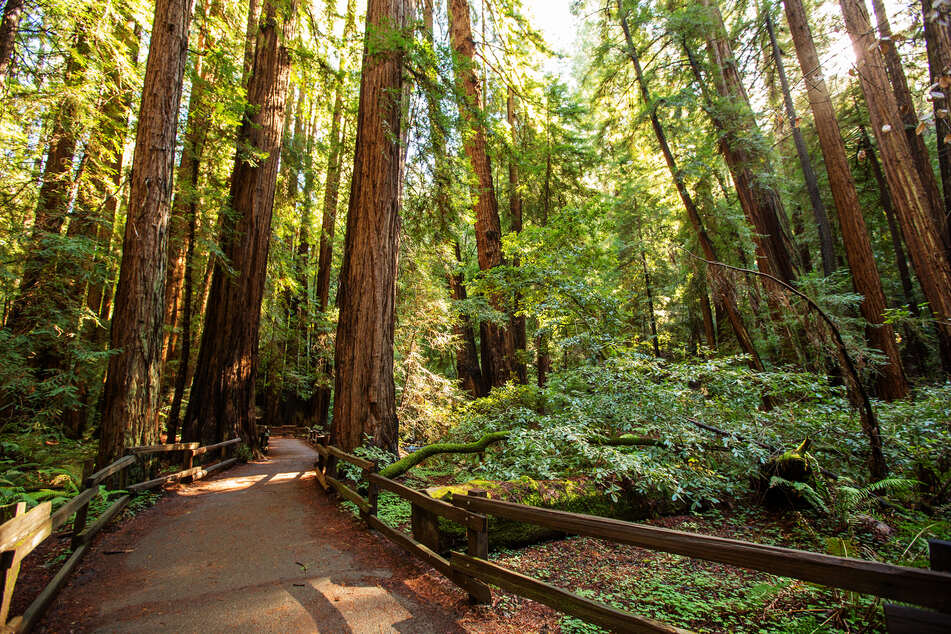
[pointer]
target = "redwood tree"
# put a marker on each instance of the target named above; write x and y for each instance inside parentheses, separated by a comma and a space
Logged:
(132, 382)
(909, 193)
(221, 403)
(364, 392)
(891, 382)
(498, 343)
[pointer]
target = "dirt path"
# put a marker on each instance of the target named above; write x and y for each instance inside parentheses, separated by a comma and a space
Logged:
(257, 549)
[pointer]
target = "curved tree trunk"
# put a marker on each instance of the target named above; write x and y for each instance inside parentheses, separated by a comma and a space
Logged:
(132, 383)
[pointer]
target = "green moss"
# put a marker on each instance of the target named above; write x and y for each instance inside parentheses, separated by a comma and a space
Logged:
(400, 467)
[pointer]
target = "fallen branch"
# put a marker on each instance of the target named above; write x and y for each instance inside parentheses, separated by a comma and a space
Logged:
(400, 467)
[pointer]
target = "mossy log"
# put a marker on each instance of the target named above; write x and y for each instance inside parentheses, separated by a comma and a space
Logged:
(403, 465)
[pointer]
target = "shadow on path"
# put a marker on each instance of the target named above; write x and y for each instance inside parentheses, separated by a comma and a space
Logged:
(257, 549)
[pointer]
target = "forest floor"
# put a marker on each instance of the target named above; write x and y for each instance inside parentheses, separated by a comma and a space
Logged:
(258, 549)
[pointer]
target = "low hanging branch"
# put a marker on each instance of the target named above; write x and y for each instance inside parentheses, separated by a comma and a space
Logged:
(877, 465)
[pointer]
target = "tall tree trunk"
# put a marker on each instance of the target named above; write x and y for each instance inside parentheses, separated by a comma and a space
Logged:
(468, 371)
(904, 182)
(250, 38)
(498, 344)
(890, 383)
(181, 373)
(723, 291)
(909, 117)
(885, 200)
(760, 201)
(185, 202)
(826, 243)
(515, 211)
(338, 134)
(467, 355)
(938, 42)
(9, 26)
(364, 392)
(131, 390)
(104, 188)
(221, 404)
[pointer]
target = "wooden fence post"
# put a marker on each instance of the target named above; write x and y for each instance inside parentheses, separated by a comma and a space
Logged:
(902, 619)
(373, 492)
(478, 538)
(82, 513)
(9, 566)
(425, 527)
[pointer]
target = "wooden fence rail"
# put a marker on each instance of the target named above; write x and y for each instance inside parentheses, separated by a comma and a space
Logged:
(26, 530)
(472, 570)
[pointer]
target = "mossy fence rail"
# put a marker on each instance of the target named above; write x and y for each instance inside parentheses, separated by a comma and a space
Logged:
(21, 534)
(472, 570)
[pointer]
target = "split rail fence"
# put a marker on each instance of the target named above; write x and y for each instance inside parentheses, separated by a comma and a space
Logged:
(26, 530)
(473, 572)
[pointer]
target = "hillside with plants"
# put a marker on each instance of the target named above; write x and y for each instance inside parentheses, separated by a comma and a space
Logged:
(685, 263)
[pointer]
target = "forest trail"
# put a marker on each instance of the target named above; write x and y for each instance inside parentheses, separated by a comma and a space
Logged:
(257, 549)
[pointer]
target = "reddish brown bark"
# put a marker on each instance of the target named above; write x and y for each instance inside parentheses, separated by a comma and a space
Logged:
(185, 204)
(338, 133)
(909, 117)
(826, 243)
(364, 392)
(221, 404)
(938, 42)
(908, 192)
(891, 383)
(132, 384)
(498, 344)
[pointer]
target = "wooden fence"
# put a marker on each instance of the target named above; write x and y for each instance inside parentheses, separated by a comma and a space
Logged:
(26, 530)
(473, 572)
